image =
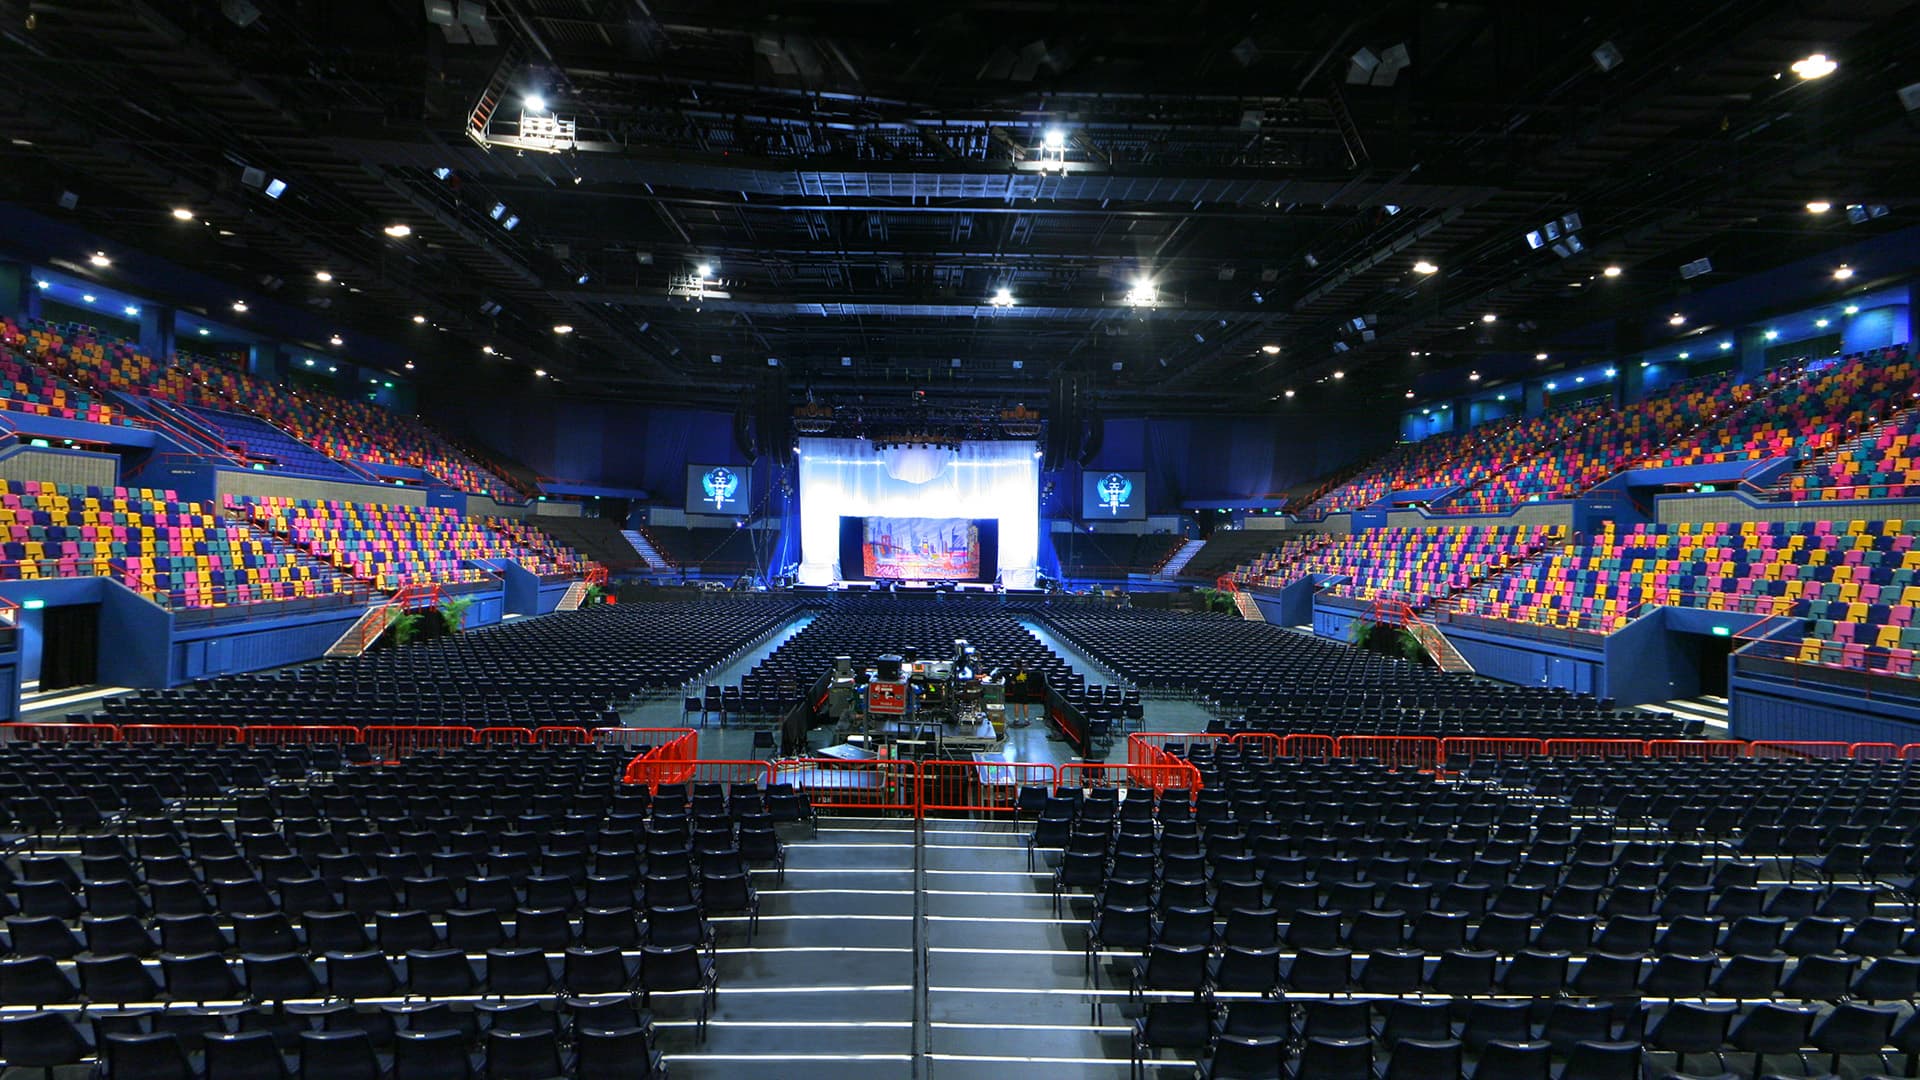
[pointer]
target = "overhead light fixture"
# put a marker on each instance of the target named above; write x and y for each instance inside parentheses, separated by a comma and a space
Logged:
(1611, 271)
(535, 102)
(499, 211)
(398, 232)
(1771, 335)
(1842, 272)
(181, 213)
(1580, 379)
(1821, 323)
(1339, 374)
(1816, 66)
(1473, 376)
(335, 340)
(1425, 267)
(332, 369)
(43, 284)
(1142, 292)
(562, 328)
(1408, 395)
(240, 306)
(419, 320)
(99, 258)
(1611, 372)
(488, 349)
(512, 222)
(409, 365)
(1851, 309)
(1539, 356)
(1553, 386)
(276, 188)
(323, 277)
(131, 309)
(1270, 350)
(1819, 206)
(1488, 317)
(1054, 139)
(1686, 355)
(703, 271)
(1676, 319)
(539, 373)
(87, 297)
(442, 173)
(1289, 393)
(1002, 298)
(1725, 345)
(204, 331)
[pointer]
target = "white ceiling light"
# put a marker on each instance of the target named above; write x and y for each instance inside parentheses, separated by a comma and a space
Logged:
(1676, 319)
(181, 213)
(1819, 206)
(1270, 350)
(1473, 376)
(1143, 292)
(534, 103)
(1002, 297)
(1488, 317)
(1611, 271)
(419, 320)
(1289, 393)
(703, 271)
(204, 331)
(1539, 356)
(1816, 66)
(1842, 272)
(1425, 267)
(323, 277)
(539, 373)
(488, 349)
(1852, 309)
(335, 340)
(1055, 139)
(240, 306)
(99, 258)
(1339, 374)
(563, 328)
(131, 309)
(1821, 323)
(398, 232)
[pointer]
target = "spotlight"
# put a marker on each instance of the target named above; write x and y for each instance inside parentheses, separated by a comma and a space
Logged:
(419, 320)
(398, 232)
(1425, 267)
(181, 213)
(583, 279)
(1499, 397)
(335, 341)
(1842, 272)
(1488, 317)
(563, 329)
(1055, 139)
(1270, 350)
(276, 188)
(1851, 309)
(1611, 372)
(534, 103)
(1289, 393)
(1143, 292)
(539, 373)
(1725, 345)
(1676, 319)
(442, 173)
(323, 277)
(240, 307)
(512, 221)
(1686, 356)
(1771, 335)
(1816, 66)
(703, 271)
(1821, 323)
(204, 331)
(309, 361)
(1819, 206)
(332, 369)
(99, 258)
(131, 309)
(1553, 386)
(43, 284)
(488, 349)
(1473, 376)
(1539, 356)
(1002, 298)
(1611, 271)
(1339, 374)
(499, 211)
(1580, 379)
(88, 297)
(409, 365)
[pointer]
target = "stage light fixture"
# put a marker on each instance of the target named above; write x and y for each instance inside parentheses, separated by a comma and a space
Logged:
(204, 331)
(309, 361)
(1002, 298)
(1580, 379)
(1819, 206)
(1473, 376)
(398, 231)
(43, 284)
(1499, 397)
(583, 279)
(1842, 272)
(1409, 395)
(333, 369)
(1289, 393)
(539, 373)
(1821, 323)
(1611, 271)
(512, 222)
(409, 365)
(181, 213)
(703, 271)
(1488, 317)
(1142, 292)
(499, 211)
(1611, 372)
(99, 259)
(1815, 66)
(87, 297)
(1055, 139)
(1117, 365)
(1339, 374)
(1686, 355)
(488, 349)
(1553, 386)
(1425, 267)
(1539, 356)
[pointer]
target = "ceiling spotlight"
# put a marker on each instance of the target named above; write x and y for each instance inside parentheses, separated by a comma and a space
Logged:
(488, 349)
(1686, 356)
(131, 309)
(331, 369)
(409, 365)
(1553, 386)
(1425, 267)
(563, 328)
(43, 284)
(1611, 271)
(1143, 292)
(1409, 395)
(309, 361)
(240, 306)
(539, 373)
(323, 277)
(1819, 206)
(1473, 376)
(398, 232)
(204, 331)
(1725, 345)
(1270, 350)
(1842, 272)
(1821, 323)
(1055, 139)
(1611, 372)
(1499, 397)
(1539, 356)
(335, 340)
(703, 271)
(276, 188)
(1002, 298)
(99, 258)
(499, 211)
(1771, 335)
(1851, 309)
(1289, 393)
(1816, 66)
(181, 213)
(1676, 319)
(1488, 317)
(511, 222)
(88, 297)
(1339, 374)
(534, 103)
(419, 320)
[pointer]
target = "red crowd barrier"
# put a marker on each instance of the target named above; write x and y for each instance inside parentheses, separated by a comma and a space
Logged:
(1829, 750)
(1312, 746)
(1874, 751)
(1397, 751)
(560, 735)
(300, 734)
(671, 762)
(1155, 778)
(1696, 748)
(489, 736)
(980, 787)
(393, 743)
(732, 774)
(1264, 743)
(1474, 747)
(879, 784)
(179, 734)
(1596, 748)
(27, 732)
(637, 736)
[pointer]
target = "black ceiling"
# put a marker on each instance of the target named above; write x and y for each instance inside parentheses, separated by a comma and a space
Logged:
(863, 177)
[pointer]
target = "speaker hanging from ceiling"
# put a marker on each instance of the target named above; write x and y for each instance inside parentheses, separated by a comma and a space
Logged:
(776, 417)
(743, 439)
(1096, 437)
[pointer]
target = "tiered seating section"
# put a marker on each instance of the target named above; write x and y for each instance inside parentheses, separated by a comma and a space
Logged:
(1882, 464)
(340, 428)
(1418, 566)
(1437, 461)
(256, 440)
(548, 549)
(1812, 414)
(396, 546)
(181, 554)
(29, 388)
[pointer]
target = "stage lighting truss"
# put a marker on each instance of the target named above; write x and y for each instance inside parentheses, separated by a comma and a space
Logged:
(813, 418)
(1020, 422)
(692, 286)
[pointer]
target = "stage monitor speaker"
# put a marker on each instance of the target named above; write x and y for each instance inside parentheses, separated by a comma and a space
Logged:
(889, 667)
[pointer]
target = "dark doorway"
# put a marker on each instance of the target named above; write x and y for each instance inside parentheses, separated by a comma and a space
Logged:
(69, 646)
(1710, 657)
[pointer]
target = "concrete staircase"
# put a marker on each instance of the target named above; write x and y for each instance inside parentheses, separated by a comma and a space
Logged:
(647, 552)
(1179, 560)
(576, 595)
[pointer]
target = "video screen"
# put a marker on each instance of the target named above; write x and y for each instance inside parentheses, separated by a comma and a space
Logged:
(719, 489)
(1113, 496)
(918, 549)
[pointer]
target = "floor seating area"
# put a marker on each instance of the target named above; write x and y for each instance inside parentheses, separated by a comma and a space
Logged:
(27, 387)
(1113, 555)
(1418, 565)
(501, 911)
(395, 546)
(1266, 678)
(1607, 919)
(572, 670)
(180, 554)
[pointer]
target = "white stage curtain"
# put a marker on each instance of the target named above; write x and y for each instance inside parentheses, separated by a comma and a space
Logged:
(848, 478)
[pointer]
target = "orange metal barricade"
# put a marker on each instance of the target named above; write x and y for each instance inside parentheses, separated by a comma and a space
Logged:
(1908, 751)
(17, 731)
(1311, 746)
(300, 734)
(392, 743)
(1142, 778)
(973, 787)
(670, 762)
(1873, 751)
(637, 737)
(877, 784)
(488, 736)
(1472, 747)
(1264, 743)
(1829, 750)
(179, 734)
(745, 772)
(1696, 748)
(1160, 740)
(1398, 751)
(560, 735)
(1596, 748)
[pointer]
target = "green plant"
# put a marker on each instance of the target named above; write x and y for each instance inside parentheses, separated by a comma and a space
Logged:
(405, 627)
(1358, 631)
(1217, 601)
(454, 613)
(1410, 646)
(596, 594)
